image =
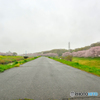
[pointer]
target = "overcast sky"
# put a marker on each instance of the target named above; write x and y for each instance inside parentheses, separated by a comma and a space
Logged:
(39, 25)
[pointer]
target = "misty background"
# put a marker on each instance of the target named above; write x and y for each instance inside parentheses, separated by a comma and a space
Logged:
(39, 25)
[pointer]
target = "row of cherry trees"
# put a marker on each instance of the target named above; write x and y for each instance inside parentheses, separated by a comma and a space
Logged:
(46, 54)
(8, 53)
(92, 52)
(49, 54)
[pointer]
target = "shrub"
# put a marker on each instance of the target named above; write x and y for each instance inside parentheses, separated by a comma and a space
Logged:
(25, 60)
(35, 57)
(25, 57)
(16, 62)
(68, 58)
(1, 69)
(17, 65)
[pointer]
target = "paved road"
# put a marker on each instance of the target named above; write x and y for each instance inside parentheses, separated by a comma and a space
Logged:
(46, 79)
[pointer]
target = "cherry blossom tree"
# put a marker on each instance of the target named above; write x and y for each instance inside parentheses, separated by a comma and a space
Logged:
(92, 52)
(49, 54)
(66, 54)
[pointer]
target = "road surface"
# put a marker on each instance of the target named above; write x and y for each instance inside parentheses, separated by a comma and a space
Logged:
(46, 79)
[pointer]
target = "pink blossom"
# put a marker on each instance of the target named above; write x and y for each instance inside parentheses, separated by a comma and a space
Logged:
(92, 52)
(66, 54)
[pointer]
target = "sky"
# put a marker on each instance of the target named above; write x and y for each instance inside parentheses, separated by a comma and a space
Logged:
(40, 25)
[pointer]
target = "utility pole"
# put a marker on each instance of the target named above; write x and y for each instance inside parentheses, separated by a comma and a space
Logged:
(69, 46)
(25, 53)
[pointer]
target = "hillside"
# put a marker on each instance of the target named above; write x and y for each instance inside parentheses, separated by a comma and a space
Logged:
(87, 47)
(60, 51)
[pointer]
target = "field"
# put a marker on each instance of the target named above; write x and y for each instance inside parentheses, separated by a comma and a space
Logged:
(9, 59)
(90, 65)
(13, 61)
(93, 62)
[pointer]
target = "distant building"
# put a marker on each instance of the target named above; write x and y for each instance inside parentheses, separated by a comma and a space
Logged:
(9, 53)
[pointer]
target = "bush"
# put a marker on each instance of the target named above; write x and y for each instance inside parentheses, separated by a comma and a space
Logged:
(16, 62)
(25, 60)
(68, 58)
(17, 65)
(25, 57)
(35, 57)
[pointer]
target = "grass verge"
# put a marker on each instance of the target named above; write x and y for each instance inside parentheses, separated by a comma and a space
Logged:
(10, 59)
(89, 69)
(25, 99)
(88, 61)
(15, 64)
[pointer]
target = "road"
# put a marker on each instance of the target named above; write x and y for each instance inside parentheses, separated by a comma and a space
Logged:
(46, 79)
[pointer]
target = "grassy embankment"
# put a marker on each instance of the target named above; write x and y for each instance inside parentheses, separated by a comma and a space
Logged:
(90, 65)
(7, 62)
(25, 99)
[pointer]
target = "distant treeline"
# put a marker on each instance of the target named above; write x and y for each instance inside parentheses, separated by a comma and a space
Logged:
(61, 51)
(86, 47)
(8, 53)
(58, 51)
(54, 52)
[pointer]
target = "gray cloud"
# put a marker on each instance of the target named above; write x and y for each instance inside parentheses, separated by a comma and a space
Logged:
(38, 25)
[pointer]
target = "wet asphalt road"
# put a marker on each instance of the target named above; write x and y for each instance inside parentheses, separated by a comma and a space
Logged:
(46, 79)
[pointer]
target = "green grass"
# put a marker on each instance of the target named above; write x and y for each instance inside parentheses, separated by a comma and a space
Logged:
(9, 59)
(25, 99)
(4, 67)
(91, 69)
(93, 62)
